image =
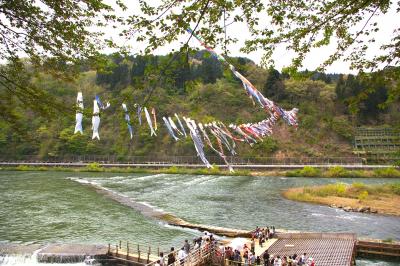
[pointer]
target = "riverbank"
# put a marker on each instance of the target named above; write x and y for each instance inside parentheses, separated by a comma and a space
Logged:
(307, 171)
(358, 197)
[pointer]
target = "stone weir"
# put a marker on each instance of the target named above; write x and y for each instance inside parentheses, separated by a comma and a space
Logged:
(166, 217)
(72, 253)
(53, 253)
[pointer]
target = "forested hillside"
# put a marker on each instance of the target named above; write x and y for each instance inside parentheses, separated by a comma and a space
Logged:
(199, 87)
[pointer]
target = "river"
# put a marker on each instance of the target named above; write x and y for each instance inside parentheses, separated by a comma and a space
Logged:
(55, 207)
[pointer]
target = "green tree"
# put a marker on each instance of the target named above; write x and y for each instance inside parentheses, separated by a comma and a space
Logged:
(274, 87)
(57, 37)
(300, 25)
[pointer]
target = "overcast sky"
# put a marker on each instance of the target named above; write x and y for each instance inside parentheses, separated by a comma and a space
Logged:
(387, 23)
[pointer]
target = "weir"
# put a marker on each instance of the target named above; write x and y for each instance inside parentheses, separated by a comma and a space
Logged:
(166, 217)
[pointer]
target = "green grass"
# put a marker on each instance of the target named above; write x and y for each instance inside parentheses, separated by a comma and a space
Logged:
(95, 167)
(307, 171)
(338, 189)
(338, 171)
(356, 190)
(387, 172)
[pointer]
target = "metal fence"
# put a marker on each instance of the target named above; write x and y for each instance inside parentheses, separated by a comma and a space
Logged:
(235, 160)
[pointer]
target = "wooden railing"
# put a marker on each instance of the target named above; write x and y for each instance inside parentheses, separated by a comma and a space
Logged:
(198, 256)
(139, 254)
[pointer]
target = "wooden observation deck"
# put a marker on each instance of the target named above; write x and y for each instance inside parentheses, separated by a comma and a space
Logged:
(327, 249)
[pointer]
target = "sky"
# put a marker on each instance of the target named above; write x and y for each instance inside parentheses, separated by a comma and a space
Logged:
(282, 58)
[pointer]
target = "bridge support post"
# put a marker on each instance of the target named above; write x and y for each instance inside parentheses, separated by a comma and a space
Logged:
(127, 250)
(138, 250)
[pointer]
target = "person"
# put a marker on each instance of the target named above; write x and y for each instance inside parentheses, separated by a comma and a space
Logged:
(290, 261)
(228, 254)
(157, 263)
(278, 261)
(171, 257)
(258, 260)
(266, 258)
(239, 258)
(181, 255)
(252, 258)
(196, 244)
(186, 247)
(310, 261)
(303, 259)
(246, 258)
(161, 259)
(252, 245)
(236, 255)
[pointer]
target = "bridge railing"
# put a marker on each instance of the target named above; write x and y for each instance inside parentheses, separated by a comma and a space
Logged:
(235, 160)
(197, 256)
(140, 254)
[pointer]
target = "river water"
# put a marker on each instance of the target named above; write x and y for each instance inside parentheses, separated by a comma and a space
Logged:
(55, 207)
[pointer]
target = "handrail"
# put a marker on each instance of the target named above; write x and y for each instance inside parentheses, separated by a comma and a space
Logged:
(194, 257)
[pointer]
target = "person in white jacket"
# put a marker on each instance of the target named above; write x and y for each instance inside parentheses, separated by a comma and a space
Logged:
(181, 255)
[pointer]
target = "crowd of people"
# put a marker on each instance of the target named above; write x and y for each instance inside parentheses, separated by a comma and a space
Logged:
(293, 260)
(239, 256)
(205, 242)
(246, 256)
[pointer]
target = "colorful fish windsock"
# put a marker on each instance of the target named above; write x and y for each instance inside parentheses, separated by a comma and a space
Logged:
(100, 104)
(181, 125)
(96, 120)
(169, 128)
(196, 137)
(139, 114)
(128, 120)
(153, 112)
(149, 122)
(79, 114)
(290, 117)
(173, 125)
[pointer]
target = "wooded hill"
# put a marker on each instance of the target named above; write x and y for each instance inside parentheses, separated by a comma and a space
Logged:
(199, 87)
